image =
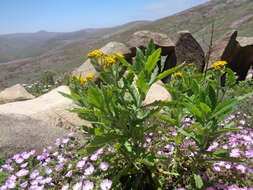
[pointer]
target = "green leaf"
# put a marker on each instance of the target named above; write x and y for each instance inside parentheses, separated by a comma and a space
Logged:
(212, 95)
(230, 77)
(226, 130)
(152, 60)
(193, 109)
(105, 139)
(198, 181)
(126, 64)
(95, 96)
(204, 108)
(166, 118)
(221, 153)
(223, 107)
(139, 61)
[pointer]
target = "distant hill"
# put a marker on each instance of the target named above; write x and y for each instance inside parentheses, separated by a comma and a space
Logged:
(23, 45)
(62, 52)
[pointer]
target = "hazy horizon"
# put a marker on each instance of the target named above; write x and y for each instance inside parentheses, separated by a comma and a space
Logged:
(29, 16)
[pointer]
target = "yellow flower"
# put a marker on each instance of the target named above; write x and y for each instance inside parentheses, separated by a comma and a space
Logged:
(177, 74)
(218, 65)
(83, 80)
(109, 60)
(89, 76)
(95, 53)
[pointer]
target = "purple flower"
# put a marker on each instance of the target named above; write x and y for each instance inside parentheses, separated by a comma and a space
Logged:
(65, 187)
(25, 155)
(148, 140)
(46, 180)
(81, 164)
(94, 157)
(24, 165)
(100, 151)
(213, 146)
(249, 153)
(241, 168)
(88, 171)
(24, 184)
(19, 160)
(104, 166)
(235, 153)
(88, 185)
(233, 187)
(78, 186)
(243, 122)
(22, 172)
(34, 174)
(65, 140)
(7, 167)
(106, 184)
(69, 173)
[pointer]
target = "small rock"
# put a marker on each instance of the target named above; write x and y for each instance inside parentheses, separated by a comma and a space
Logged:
(14, 93)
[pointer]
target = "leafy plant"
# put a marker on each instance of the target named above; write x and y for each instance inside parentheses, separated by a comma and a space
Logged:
(115, 108)
(201, 98)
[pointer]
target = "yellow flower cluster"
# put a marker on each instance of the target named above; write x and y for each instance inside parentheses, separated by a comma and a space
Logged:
(95, 53)
(177, 74)
(218, 65)
(106, 60)
(86, 78)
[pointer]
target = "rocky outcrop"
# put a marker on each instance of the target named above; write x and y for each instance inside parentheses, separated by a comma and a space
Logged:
(109, 49)
(51, 108)
(20, 133)
(14, 93)
(188, 50)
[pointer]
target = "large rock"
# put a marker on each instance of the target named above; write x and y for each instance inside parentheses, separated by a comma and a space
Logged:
(226, 48)
(51, 108)
(20, 133)
(244, 59)
(245, 41)
(14, 93)
(157, 92)
(110, 49)
(188, 50)
(141, 39)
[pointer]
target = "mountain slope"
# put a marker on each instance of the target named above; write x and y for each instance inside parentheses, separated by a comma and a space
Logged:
(225, 14)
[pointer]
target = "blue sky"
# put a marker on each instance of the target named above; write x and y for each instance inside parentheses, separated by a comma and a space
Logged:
(71, 15)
